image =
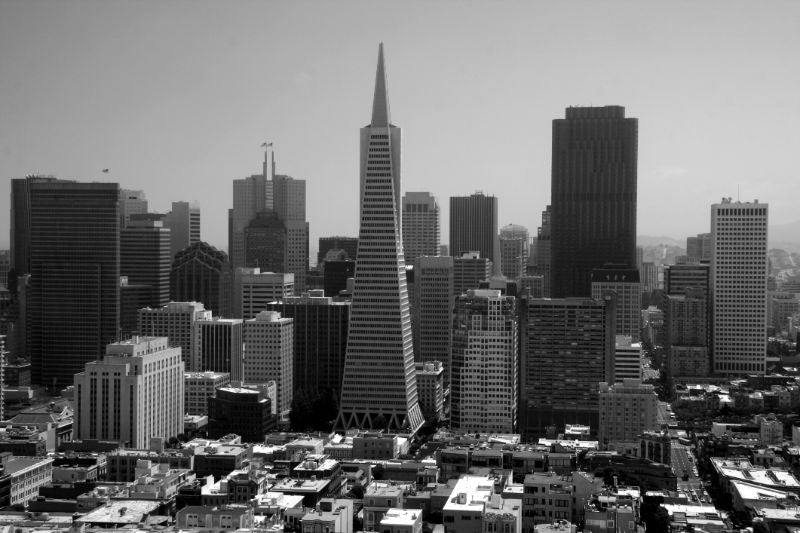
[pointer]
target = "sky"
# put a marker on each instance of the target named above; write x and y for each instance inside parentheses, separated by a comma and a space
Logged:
(176, 97)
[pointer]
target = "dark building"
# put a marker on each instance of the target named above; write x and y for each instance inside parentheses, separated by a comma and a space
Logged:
(593, 221)
(320, 340)
(336, 275)
(265, 241)
(348, 244)
(201, 273)
(567, 347)
(245, 412)
(131, 299)
(678, 278)
(145, 258)
(65, 234)
(469, 270)
(539, 264)
(473, 225)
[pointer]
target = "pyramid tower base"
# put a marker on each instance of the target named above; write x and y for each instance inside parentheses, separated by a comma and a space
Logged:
(398, 422)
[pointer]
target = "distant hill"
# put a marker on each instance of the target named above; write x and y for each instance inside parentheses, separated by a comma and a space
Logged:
(648, 240)
(785, 236)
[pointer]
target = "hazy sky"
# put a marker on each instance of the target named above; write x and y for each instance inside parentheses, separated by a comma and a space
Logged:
(175, 97)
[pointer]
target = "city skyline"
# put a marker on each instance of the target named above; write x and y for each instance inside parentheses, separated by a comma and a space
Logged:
(192, 103)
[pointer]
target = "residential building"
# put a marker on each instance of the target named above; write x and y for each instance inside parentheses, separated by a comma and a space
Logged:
(379, 382)
(485, 358)
(133, 395)
(269, 350)
(739, 269)
(627, 409)
(401, 521)
(593, 220)
(420, 225)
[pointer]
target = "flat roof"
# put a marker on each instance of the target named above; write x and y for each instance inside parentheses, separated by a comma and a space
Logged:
(121, 511)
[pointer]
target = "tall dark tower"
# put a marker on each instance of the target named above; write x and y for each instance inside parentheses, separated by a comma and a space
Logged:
(66, 236)
(379, 388)
(473, 225)
(593, 196)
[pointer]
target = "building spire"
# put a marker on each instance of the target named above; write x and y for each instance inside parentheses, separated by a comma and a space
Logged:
(380, 104)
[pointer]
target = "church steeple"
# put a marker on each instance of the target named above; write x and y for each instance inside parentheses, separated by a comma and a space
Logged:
(380, 103)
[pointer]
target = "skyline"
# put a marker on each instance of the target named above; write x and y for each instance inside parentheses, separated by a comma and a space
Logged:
(180, 96)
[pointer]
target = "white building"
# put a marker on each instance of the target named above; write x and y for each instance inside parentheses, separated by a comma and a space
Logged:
(739, 269)
(401, 521)
(485, 354)
(624, 283)
(474, 508)
(627, 359)
(133, 395)
(27, 475)
(253, 290)
(626, 410)
(269, 342)
(176, 322)
(199, 387)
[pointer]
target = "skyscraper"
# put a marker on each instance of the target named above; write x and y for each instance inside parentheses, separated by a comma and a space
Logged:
(265, 243)
(593, 188)
(379, 387)
(624, 282)
(176, 321)
(420, 225)
(131, 203)
(473, 225)
(251, 195)
(739, 269)
(269, 350)
(514, 250)
(290, 205)
(65, 234)
(144, 257)
(433, 284)
(184, 223)
(201, 273)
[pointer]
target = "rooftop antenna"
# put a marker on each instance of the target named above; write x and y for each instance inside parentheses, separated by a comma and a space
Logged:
(266, 146)
(738, 193)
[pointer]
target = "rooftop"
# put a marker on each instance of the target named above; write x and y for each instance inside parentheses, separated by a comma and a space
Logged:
(120, 511)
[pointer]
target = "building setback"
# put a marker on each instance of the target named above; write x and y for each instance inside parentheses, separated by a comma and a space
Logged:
(593, 220)
(134, 394)
(379, 387)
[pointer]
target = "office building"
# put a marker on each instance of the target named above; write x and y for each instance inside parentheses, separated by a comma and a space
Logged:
(240, 411)
(176, 321)
(254, 289)
(379, 385)
(131, 299)
(567, 348)
(133, 395)
(539, 264)
(469, 270)
(593, 220)
(473, 225)
(782, 306)
(627, 409)
(184, 224)
(335, 275)
(290, 205)
(269, 351)
(199, 387)
(624, 282)
(320, 340)
(430, 386)
(145, 258)
(265, 241)
(131, 203)
(483, 389)
(434, 296)
(420, 225)
(251, 196)
(201, 273)
(627, 359)
(678, 278)
(220, 343)
(65, 235)
(514, 250)
(739, 269)
(699, 248)
(348, 244)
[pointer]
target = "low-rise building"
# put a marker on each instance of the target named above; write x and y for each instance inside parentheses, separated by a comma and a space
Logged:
(202, 519)
(402, 521)
(27, 475)
(378, 499)
(334, 515)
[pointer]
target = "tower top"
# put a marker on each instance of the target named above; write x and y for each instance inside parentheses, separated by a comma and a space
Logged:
(380, 103)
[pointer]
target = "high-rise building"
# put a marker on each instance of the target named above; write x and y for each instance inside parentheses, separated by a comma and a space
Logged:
(145, 258)
(541, 254)
(483, 389)
(567, 348)
(133, 395)
(686, 334)
(335, 275)
(269, 342)
(131, 203)
(254, 289)
(430, 386)
(782, 305)
(201, 273)
(176, 321)
(678, 278)
(220, 343)
(593, 219)
(184, 223)
(469, 270)
(420, 225)
(65, 234)
(320, 340)
(265, 241)
(251, 196)
(699, 248)
(379, 387)
(627, 409)
(627, 359)
(199, 387)
(348, 244)
(290, 205)
(624, 282)
(473, 225)
(739, 270)
(241, 411)
(433, 286)
(514, 250)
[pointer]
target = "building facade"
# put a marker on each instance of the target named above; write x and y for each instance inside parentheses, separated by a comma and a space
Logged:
(627, 409)
(473, 225)
(421, 221)
(254, 289)
(624, 283)
(201, 273)
(433, 310)
(184, 224)
(220, 344)
(176, 321)
(269, 345)
(199, 387)
(145, 258)
(514, 250)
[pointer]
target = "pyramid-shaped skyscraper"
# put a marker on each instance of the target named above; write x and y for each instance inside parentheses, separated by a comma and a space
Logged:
(379, 388)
